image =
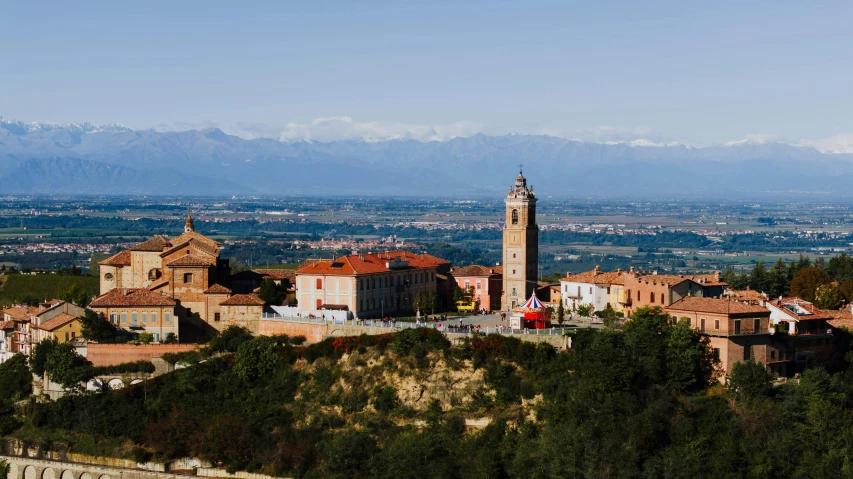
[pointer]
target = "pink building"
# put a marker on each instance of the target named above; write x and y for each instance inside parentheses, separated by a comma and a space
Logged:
(487, 282)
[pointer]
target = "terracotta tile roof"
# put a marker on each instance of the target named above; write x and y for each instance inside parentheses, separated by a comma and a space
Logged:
(476, 270)
(121, 258)
(17, 313)
(52, 304)
(191, 260)
(747, 295)
(673, 279)
(716, 305)
(158, 284)
(787, 305)
(842, 318)
(370, 263)
(595, 276)
(157, 243)
(57, 322)
(131, 297)
(288, 274)
(7, 325)
(217, 289)
(243, 300)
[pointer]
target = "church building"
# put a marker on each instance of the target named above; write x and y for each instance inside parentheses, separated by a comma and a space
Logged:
(520, 245)
(187, 269)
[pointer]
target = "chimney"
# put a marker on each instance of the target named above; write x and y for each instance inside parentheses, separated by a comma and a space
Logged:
(597, 269)
(631, 269)
(618, 270)
(568, 273)
(498, 263)
(717, 276)
(655, 272)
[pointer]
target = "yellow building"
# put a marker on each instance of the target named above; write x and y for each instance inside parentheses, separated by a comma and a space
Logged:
(62, 327)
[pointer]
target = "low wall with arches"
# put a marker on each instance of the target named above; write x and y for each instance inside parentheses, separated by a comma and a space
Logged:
(26, 468)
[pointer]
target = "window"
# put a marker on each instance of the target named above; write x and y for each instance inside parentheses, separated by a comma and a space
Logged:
(756, 325)
(661, 298)
(513, 255)
(123, 318)
(144, 318)
(319, 303)
(156, 337)
(319, 283)
(467, 284)
(108, 276)
(651, 297)
(513, 292)
(747, 352)
(513, 271)
(702, 325)
(216, 317)
(515, 217)
(134, 318)
(188, 251)
(188, 278)
(590, 290)
(772, 354)
(153, 274)
(479, 285)
(608, 290)
(167, 317)
(153, 318)
(114, 318)
(639, 295)
(717, 354)
(737, 326)
(716, 325)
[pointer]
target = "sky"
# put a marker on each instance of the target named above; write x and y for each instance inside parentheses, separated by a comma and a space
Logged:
(700, 73)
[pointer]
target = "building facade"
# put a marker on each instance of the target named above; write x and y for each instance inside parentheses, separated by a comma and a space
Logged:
(369, 285)
(736, 332)
(486, 282)
(520, 245)
(140, 310)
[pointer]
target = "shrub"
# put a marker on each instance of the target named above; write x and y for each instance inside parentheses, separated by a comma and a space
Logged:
(385, 399)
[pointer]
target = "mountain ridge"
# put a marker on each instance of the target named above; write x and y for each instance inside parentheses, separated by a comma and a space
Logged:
(475, 165)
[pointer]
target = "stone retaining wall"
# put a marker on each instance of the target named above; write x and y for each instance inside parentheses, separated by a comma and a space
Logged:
(112, 354)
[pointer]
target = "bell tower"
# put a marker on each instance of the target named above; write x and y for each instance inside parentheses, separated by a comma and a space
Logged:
(520, 245)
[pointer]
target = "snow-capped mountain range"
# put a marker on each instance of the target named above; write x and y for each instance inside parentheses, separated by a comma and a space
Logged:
(113, 159)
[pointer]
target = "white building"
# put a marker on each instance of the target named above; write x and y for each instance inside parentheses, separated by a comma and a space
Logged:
(588, 288)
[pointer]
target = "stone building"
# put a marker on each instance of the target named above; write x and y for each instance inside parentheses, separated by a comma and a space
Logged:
(140, 309)
(185, 269)
(520, 245)
(736, 332)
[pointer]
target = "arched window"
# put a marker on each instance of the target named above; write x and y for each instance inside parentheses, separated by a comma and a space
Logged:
(319, 283)
(515, 217)
(651, 297)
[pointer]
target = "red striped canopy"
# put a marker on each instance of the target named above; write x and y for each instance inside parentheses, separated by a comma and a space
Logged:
(533, 303)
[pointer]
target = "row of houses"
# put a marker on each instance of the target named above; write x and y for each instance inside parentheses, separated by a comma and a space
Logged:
(23, 326)
(787, 335)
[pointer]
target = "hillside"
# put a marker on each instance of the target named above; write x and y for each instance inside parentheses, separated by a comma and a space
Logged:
(118, 160)
(637, 402)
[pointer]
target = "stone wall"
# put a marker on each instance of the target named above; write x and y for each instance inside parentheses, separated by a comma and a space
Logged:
(112, 354)
(104, 468)
(313, 332)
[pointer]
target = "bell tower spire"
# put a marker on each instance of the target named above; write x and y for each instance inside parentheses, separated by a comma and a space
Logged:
(520, 244)
(189, 226)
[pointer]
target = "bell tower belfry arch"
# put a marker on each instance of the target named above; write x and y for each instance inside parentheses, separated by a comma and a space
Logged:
(520, 245)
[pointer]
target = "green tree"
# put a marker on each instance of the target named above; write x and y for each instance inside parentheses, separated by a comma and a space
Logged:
(271, 292)
(424, 301)
(256, 358)
(96, 327)
(828, 296)
(758, 278)
(840, 268)
(778, 279)
(5, 468)
(94, 269)
(15, 379)
(684, 356)
(230, 339)
(585, 310)
(729, 276)
(38, 357)
(806, 282)
(66, 367)
(645, 336)
(748, 379)
(741, 281)
(561, 313)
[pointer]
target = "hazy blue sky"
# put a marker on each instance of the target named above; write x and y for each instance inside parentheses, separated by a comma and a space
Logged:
(701, 72)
